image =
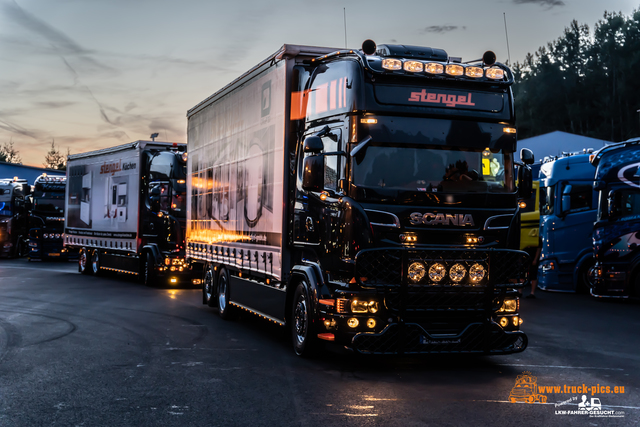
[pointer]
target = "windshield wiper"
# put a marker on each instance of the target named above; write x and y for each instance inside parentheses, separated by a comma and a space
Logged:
(360, 146)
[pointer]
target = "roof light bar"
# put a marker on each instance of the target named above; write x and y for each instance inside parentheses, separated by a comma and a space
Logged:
(494, 73)
(391, 64)
(454, 70)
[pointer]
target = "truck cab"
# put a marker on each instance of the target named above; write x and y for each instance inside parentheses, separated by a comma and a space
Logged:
(568, 206)
(13, 217)
(616, 233)
(46, 218)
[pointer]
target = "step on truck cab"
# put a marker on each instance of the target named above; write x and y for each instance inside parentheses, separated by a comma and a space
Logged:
(568, 206)
(14, 217)
(363, 197)
(126, 211)
(46, 218)
(616, 234)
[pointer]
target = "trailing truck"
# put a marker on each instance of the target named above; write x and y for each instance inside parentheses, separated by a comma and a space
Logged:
(616, 233)
(14, 217)
(125, 211)
(363, 197)
(46, 218)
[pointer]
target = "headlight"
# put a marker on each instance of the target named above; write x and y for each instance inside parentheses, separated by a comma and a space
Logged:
(416, 271)
(457, 272)
(509, 306)
(358, 306)
(476, 273)
(437, 272)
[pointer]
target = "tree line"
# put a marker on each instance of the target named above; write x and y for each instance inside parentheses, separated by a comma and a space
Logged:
(53, 159)
(585, 82)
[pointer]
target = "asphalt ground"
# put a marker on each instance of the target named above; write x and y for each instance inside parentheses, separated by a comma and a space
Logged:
(108, 351)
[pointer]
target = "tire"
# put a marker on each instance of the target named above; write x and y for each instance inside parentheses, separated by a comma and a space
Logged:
(222, 295)
(83, 262)
(305, 342)
(583, 285)
(208, 288)
(149, 271)
(95, 263)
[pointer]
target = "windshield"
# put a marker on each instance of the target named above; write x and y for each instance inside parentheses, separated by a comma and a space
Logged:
(5, 209)
(433, 169)
(625, 203)
(179, 198)
(49, 205)
(546, 200)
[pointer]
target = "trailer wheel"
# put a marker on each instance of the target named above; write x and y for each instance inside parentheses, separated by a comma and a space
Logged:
(95, 263)
(224, 309)
(305, 343)
(83, 261)
(208, 288)
(149, 273)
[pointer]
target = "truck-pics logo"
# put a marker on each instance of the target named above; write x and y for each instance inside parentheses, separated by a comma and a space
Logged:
(441, 98)
(118, 166)
(461, 220)
(526, 390)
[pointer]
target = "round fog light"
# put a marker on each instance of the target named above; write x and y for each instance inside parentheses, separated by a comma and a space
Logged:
(504, 322)
(416, 271)
(457, 272)
(371, 323)
(476, 273)
(353, 322)
(437, 272)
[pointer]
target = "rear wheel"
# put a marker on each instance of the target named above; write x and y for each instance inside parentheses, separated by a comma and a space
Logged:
(224, 309)
(83, 262)
(95, 263)
(305, 343)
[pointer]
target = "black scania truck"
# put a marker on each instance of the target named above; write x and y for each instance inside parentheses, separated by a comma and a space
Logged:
(46, 218)
(365, 197)
(616, 233)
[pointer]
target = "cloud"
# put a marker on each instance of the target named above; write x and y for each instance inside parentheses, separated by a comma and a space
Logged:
(53, 104)
(548, 3)
(440, 29)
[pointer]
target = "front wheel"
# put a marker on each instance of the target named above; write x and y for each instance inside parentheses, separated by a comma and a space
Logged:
(305, 343)
(584, 283)
(208, 289)
(149, 272)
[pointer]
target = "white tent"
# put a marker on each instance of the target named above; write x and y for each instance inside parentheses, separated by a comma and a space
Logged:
(556, 143)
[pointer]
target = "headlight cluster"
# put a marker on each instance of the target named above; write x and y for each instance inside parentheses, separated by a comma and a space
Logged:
(51, 235)
(509, 306)
(392, 64)
(344, 305)
(437, 272)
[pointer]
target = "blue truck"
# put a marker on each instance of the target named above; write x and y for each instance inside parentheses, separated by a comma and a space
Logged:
(616, 234)
(568, 206)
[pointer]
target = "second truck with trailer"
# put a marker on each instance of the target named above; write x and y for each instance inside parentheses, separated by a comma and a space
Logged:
(126, 211)
(365, 198)
(14, 217)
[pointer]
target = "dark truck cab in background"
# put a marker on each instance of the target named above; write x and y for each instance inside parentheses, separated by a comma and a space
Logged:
(400, 227)
(616, 233)
(46, 218)
(14, 217)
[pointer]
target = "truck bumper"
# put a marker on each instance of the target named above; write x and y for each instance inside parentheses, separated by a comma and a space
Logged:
(411, 338)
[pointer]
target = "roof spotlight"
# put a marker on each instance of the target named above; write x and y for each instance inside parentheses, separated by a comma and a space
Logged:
(489, 58)
(369, 47)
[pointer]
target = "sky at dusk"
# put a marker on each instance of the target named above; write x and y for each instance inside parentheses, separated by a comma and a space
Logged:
(91, 74)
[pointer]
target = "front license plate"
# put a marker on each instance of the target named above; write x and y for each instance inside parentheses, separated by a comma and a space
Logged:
(427, 340)
(53, 254)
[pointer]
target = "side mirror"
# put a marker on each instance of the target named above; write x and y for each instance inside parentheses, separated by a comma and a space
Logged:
(566, 199)
(525, 181)
(313, 144)
(313, 174)
(526, 156)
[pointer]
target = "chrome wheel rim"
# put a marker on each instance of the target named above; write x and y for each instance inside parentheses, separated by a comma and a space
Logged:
(222, 293)
(300, 319)
(94, 263)
(208, 285)
(83, 261)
